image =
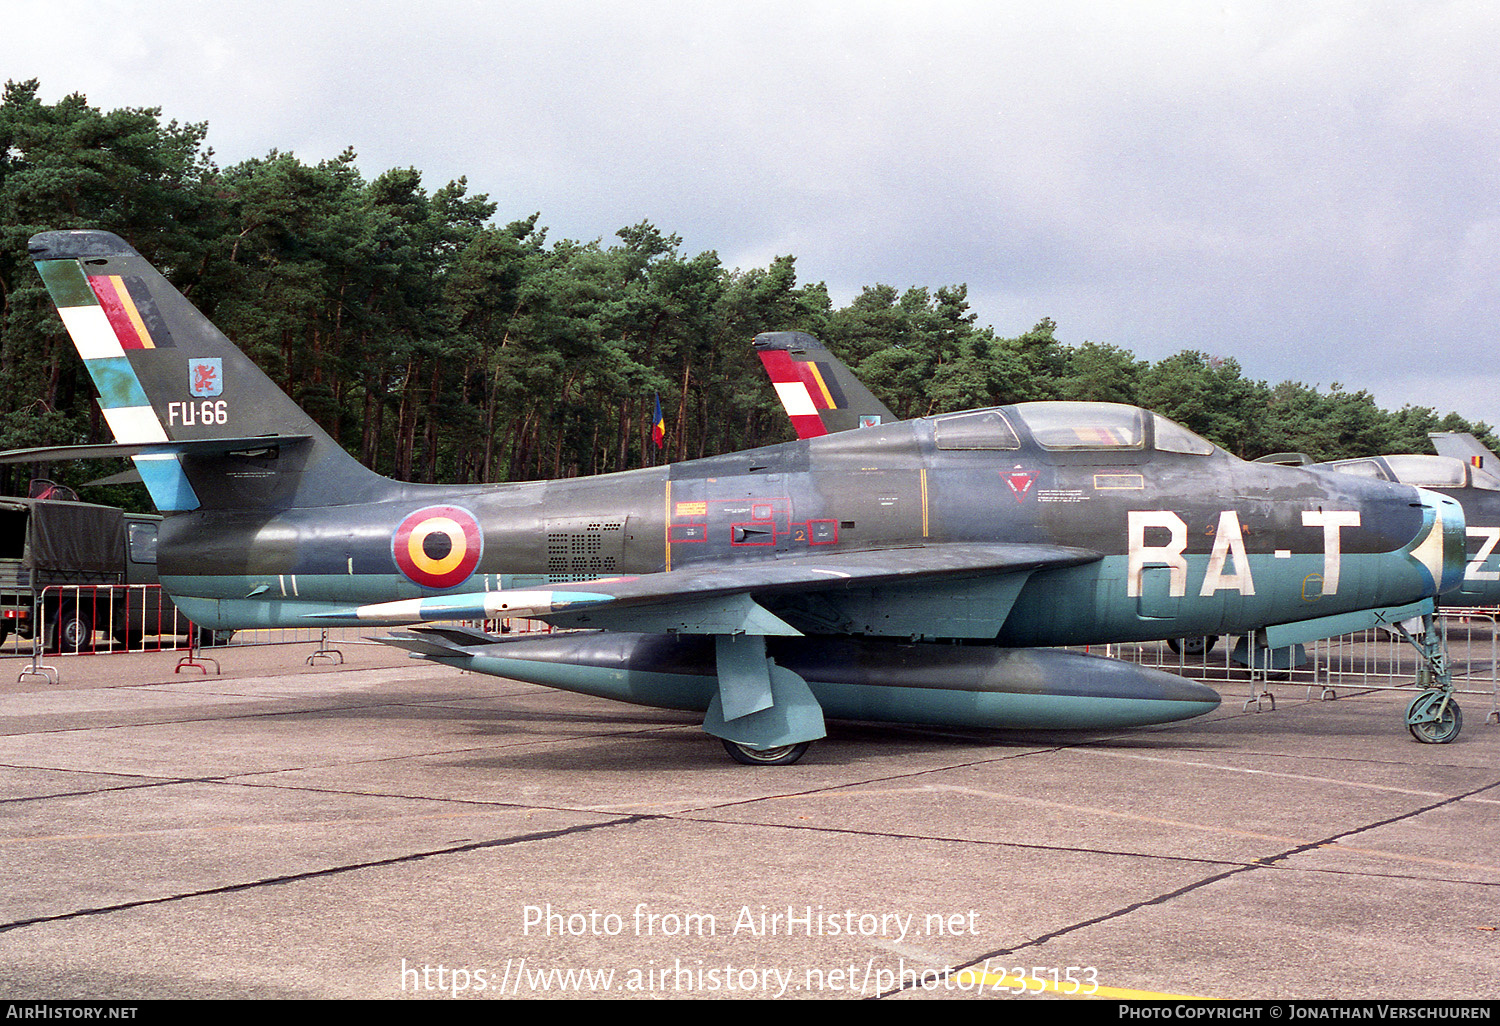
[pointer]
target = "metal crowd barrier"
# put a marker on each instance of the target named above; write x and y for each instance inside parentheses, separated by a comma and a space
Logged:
(1370, 660)
(105, 619)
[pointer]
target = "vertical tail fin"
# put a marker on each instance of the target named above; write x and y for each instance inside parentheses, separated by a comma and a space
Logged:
(1484, 466)
(819, 393)
(1464, 446)
(219, 433)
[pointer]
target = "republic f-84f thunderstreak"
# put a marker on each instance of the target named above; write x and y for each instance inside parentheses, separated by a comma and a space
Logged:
(920, 571)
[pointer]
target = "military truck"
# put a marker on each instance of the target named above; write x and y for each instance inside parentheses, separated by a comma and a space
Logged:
(68, 569)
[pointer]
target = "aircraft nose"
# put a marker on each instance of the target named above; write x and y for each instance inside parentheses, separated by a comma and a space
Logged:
(1439, 548)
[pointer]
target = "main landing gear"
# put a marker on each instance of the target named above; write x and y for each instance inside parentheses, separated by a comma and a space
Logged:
(763, 713)
(782, 755)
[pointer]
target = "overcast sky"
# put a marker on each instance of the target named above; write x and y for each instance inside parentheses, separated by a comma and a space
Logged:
(1310, 188)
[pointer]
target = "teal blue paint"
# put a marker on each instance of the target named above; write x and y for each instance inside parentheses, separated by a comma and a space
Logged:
(260, 613)
(319, 592)
(1306, 631)
(117, 384)
(1047, 611)
(997, 709)
(168, 485)
(471, 605)
(934, 706)
(657, 690)
(793, 717)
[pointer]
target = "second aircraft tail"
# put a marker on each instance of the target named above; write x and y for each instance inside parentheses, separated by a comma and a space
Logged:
(819, 393)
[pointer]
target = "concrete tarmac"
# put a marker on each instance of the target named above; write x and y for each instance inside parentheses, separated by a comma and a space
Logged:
(387, 829)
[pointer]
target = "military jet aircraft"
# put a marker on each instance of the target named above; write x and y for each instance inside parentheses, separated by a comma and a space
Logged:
(913, 572)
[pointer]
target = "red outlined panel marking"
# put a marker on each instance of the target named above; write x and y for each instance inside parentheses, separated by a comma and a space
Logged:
(754, 532)
(679, 534)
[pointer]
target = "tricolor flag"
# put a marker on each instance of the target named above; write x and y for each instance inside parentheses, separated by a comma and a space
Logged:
(658, 426)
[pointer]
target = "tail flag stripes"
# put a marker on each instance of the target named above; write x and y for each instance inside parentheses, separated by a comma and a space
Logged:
(818, 392)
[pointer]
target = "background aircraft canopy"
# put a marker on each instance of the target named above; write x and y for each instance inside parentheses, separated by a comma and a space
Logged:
(1420, 470)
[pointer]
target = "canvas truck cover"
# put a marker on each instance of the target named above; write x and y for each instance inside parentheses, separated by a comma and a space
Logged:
(68, 536)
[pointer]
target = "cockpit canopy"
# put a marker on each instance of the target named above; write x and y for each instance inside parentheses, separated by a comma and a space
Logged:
(1068, 426)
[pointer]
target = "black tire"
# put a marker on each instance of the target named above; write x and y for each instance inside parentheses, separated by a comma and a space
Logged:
(73, 630)
(1192, 646)
(782, 755)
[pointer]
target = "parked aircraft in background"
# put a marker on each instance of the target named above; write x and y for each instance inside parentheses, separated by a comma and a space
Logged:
(1461, 445)
(919, 571)
(1470, 480)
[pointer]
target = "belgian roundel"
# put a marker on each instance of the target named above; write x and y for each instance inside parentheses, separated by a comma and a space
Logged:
(438, 546)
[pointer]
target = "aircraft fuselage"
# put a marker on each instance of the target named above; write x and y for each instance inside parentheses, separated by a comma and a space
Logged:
(1186, 542)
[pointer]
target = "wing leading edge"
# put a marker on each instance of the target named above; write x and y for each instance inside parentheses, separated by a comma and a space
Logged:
(725, 599)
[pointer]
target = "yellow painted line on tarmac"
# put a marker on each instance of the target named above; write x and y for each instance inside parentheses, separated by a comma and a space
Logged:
(1020, 985)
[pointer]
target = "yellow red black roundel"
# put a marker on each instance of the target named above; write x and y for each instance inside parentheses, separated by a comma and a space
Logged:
(438, 546)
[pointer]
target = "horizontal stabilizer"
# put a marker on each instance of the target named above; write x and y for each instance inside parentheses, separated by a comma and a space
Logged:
(194, 447)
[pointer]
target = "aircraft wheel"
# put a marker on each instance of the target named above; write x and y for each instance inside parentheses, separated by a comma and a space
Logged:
(211, 639)
(1430, 731)
(782, 755)
(1192, 646)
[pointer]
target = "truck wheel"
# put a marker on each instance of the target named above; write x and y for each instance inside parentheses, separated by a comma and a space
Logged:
(74, 630)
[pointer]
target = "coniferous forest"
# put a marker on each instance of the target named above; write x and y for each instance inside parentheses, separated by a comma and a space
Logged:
(439, 342)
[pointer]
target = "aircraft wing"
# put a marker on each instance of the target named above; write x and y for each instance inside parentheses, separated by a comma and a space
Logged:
(722, 599)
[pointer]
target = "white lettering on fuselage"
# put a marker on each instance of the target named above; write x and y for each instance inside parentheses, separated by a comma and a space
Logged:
(1228, 549)
(1491, 535)
(1229, 540)
(1168, 555)
(205, 411)
(1331, 521)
